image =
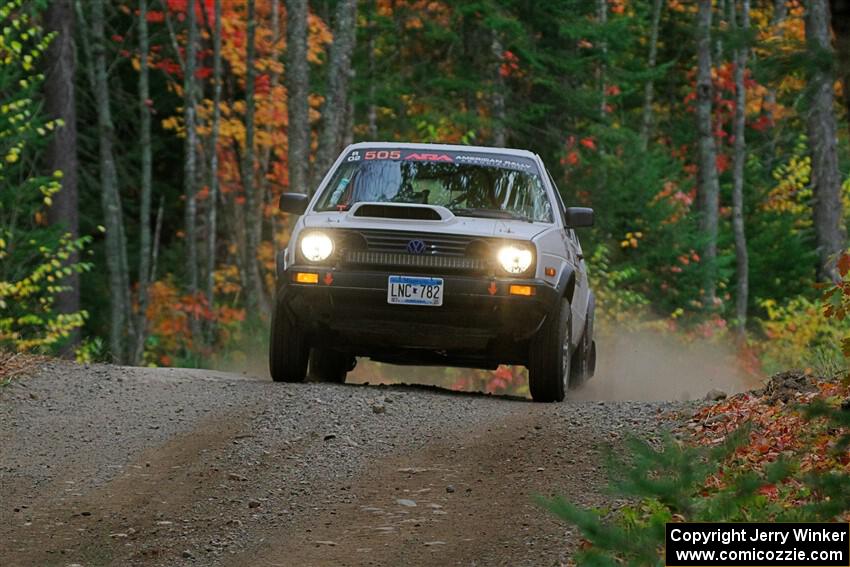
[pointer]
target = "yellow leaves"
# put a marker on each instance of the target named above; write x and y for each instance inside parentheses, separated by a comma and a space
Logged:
(631, 240)
(792, 191)
(319, 36)
(29, 322)
(174, 123)
(798, 332)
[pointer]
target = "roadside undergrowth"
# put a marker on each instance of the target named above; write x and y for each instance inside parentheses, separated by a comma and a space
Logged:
(776, 454)
(14, 365)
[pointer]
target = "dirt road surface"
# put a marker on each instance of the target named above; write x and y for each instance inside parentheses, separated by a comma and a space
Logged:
(119, 466)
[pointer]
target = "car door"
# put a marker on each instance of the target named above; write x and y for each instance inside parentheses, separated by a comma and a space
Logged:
(575, 257)
(581, 295)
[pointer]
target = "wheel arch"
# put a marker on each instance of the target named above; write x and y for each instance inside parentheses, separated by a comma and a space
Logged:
(567, 283)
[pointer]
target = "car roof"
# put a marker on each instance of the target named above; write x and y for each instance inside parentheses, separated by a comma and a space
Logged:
(444, 147)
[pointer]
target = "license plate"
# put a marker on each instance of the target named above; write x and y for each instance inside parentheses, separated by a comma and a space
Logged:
(407, 290)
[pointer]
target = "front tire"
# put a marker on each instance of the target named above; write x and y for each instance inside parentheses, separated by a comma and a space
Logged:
(549, 357)
(288, 349)
(584, 358)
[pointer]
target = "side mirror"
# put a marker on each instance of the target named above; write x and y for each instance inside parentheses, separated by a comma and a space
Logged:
(294, 203)
(578, 217)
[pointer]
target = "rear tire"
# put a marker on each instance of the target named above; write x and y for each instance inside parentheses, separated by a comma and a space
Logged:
(288, 350)
(329, 366)
(549, 357)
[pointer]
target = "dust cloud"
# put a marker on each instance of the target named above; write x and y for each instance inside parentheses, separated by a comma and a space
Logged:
(653, 367)
(645, 366)
(631, 366)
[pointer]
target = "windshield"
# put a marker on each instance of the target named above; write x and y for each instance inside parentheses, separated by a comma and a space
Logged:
(468, 184)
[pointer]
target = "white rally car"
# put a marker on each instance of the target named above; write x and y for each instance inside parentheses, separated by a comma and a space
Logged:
(435, 255)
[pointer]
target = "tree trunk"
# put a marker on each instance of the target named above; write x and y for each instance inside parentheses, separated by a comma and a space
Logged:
(190, 166)
(497, 98)
(602, 15)
(298, 89)
(372, 113)
(265, 192)
(738, 228)
(336, 99)
(59, 98)
(116, 242)
(709, 184)
(253, 202)
(841, 27)
(823, 141)
(212, 211)
(145, 197)
(780, 12)
(649, 87)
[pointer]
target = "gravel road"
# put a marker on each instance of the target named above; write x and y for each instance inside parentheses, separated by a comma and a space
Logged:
(106, 465)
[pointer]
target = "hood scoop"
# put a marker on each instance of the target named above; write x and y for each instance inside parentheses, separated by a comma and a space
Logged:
(400, 211)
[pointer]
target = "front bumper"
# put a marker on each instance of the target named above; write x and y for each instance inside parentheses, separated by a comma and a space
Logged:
(479, 324)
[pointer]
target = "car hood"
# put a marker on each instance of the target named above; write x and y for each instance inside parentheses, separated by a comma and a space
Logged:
(472, 226)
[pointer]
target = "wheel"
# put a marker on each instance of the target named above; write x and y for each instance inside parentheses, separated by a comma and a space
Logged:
(288, 350)
(584, 358)
(549, 357)
(329, 366)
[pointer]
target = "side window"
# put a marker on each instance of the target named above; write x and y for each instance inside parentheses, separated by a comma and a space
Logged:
(558, 197)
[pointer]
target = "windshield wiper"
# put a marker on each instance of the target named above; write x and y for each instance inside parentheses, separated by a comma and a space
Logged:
(489, 214)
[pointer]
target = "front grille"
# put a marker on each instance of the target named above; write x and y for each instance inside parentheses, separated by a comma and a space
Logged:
(395, 259)
(435, 244)
(389, 248)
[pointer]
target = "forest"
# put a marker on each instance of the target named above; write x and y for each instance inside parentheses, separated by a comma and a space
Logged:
(144, 145)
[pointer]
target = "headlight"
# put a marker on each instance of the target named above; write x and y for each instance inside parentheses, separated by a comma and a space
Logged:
(317, 246)
(515, 260)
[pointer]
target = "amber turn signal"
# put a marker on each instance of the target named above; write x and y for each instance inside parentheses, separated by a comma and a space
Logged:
(306, 277)
(549, 271)
(526, 290)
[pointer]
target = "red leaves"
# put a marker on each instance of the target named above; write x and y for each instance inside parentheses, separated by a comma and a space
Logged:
(509, 65)
(843, 264)
(155, 17)
(588, 143)
(777, 429)
(262, 84)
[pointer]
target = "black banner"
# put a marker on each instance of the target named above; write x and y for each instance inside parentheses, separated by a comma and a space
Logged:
(759, 544)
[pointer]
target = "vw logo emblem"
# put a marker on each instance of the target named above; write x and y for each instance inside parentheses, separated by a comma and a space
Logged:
(416, 246)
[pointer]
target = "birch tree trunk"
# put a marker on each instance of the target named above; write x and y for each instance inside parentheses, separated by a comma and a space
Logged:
(602, 15)
(212, 211)
(649, 87)
(372, 113)
(823, 141)
(497, 98)
(145, 197)
(116, 241)
(709, 185)
(59, 95)
(253, 202)
(841, 25)
(190, 151)
(780, 12)
(741, 257)
(336, 100)
(298, 87)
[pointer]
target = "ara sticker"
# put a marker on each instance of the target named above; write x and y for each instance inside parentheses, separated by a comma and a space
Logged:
(428, 157)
